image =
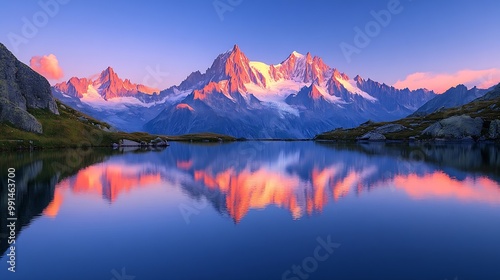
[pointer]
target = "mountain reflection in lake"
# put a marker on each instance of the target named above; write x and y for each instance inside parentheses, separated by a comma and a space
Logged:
(160, 203)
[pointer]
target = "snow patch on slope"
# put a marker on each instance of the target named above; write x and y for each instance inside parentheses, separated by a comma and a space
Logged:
(352, 87)
(262, 68)
(328, 97)
(95, 100)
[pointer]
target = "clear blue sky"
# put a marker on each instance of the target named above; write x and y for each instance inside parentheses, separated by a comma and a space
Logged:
(182, 36)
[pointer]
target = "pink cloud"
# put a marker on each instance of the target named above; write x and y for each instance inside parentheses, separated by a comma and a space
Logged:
(440, 82)
(47, 66)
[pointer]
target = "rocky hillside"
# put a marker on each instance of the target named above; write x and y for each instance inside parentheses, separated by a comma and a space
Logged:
(22, 89)
(454, 97)
(474, 121)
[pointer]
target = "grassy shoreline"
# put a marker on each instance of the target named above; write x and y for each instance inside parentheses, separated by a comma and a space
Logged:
(72, 129)
(487, 110)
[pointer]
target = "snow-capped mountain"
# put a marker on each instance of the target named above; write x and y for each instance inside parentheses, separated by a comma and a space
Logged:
(297, 98)
(106, 86)
(107, 97)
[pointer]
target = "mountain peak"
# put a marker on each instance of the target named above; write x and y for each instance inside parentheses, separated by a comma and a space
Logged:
(309, 57)
(107, 84)
(296, 54)
(233, 66)
(109, 70)
(236, 48)
(236, 52)
(106, 75)
(338, 75)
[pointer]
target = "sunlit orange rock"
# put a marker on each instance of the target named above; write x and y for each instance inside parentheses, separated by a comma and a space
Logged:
(181, 106)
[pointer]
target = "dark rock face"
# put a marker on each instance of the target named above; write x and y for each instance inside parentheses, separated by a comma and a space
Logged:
(21, 89)
(18, 117)
(494, 131)
(372, 136)
(456, 127)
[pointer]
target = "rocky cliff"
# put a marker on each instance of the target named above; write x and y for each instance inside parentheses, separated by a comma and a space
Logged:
(21, 89)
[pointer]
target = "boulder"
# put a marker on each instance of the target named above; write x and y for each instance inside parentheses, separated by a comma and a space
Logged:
(372, 136)
(158, 142)
(129, 143)
(456, 127)
(18, 117)
(110, 129)
(390, 128)
(83, 119)
(494, 131)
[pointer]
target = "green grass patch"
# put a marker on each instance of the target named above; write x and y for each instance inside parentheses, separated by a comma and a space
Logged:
(72, 129)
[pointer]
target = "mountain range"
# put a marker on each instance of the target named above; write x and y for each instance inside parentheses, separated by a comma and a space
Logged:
(297, 98)
(31, 118)
(453, 97)
(109, 98)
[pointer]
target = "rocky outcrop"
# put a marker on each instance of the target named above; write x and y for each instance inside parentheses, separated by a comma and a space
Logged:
(494, 131)
(21, 89)
(456, 127)
(129, 143)
(390, 128)
(378, 133)
(158, 142)
(372, 136)
(18, 117)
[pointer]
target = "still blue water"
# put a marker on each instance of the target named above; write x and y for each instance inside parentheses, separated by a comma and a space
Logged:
(257, 210)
